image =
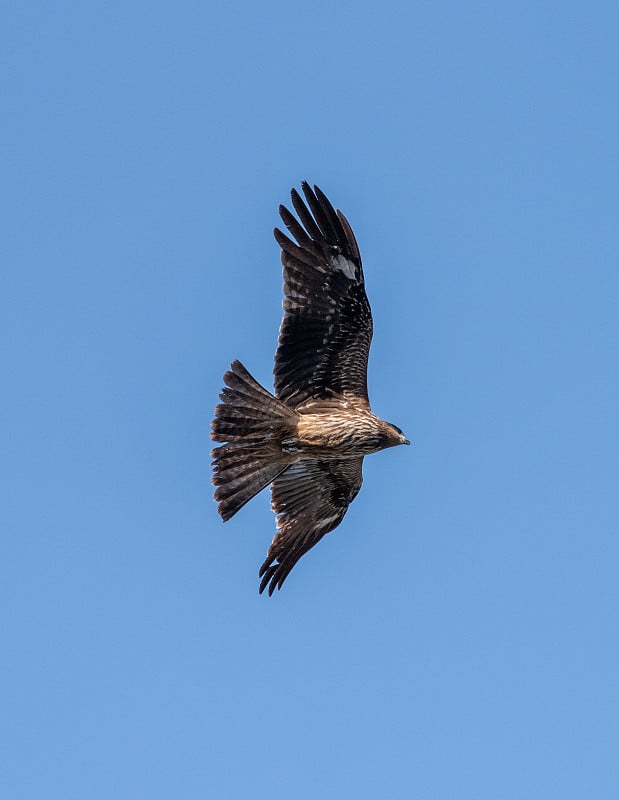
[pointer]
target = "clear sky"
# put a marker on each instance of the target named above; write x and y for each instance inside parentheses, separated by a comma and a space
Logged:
(457, 635)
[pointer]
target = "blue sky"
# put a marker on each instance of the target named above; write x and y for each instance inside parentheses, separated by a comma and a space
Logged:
(457, 635)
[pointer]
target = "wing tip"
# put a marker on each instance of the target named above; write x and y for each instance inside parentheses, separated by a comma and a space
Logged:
(268, 574)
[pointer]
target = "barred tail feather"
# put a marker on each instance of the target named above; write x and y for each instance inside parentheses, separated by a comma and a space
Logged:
(240, 472)
(252, 422)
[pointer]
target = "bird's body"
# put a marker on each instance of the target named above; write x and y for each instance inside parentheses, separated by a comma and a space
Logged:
(345, 432)
(309, 439)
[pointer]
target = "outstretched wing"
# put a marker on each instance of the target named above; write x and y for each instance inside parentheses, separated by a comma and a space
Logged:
(310, 499)
(325, 336)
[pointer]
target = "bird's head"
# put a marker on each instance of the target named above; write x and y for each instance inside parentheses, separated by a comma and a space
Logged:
(394, 435)
(400, 436)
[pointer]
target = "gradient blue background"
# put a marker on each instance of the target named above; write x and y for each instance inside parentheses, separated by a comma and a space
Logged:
(457, 636)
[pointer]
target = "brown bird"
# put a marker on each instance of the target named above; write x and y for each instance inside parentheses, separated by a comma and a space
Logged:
(309, 439)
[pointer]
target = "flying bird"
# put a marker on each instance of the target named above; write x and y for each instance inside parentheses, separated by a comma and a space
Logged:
(309, 439)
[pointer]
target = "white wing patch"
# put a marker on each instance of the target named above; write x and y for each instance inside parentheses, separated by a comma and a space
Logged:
(344, 265)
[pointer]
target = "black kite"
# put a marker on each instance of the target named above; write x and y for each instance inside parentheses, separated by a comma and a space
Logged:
(309, 439)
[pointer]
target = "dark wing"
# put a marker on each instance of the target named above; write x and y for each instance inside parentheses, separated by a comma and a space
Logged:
(310, 499)
(325, 336)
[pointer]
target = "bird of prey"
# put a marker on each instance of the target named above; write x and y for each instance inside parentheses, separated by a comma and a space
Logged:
(308, 440)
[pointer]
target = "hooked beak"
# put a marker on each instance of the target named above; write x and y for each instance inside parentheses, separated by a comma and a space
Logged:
(405, 441)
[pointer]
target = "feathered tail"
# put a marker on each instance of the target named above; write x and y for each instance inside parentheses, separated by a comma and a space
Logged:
(253, 423)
